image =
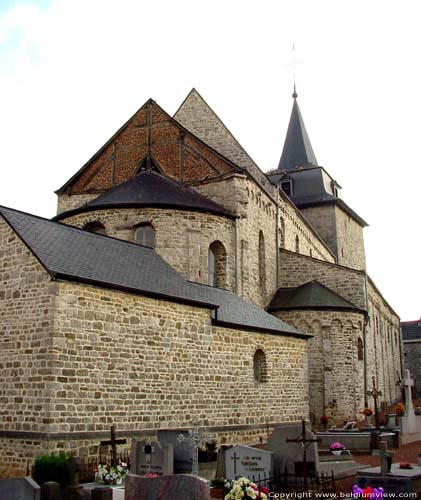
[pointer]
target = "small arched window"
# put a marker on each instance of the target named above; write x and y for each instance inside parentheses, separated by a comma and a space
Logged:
(360, 349)
(217, 265)
(282, 234)
(262, 262)
(95, 227)
(145, 235)
(259, 366)
(297, 244)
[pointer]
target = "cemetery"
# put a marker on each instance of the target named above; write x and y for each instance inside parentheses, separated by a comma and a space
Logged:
(294, 459)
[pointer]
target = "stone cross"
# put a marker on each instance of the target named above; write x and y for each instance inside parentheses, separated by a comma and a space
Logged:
(194, 440)
(408, 383)
(304, 443)
(385, 458)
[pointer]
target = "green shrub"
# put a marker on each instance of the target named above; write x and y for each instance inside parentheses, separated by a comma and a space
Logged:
(52, 468)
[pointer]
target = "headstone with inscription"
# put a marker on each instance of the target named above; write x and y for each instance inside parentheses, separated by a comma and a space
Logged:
(183, 451)
(249, 462)
(151, 457)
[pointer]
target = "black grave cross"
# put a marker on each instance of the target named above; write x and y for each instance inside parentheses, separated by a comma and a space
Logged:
(235, 458)
(375, 393)
(304, 443)
(113, 442)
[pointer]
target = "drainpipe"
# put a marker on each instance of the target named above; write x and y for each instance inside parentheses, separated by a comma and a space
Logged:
(365, 333)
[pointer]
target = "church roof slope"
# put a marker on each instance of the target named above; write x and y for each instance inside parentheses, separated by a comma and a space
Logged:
(235, 311)
(311, 295)
(411, 330)
(297, 149)
(151, 189)
(72, 254)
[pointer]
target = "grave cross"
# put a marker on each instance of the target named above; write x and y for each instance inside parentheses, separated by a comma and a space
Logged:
(375, 394)
(408, 382)
(385, 458)
(113, 442)
(304, 443)
(235, 458)
(194, 440)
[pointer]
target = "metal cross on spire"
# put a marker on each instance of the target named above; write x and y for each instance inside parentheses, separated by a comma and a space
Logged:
(294, 67)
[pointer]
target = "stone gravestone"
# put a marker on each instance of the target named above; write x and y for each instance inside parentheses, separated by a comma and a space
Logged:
(176, 487)
(183, 451)
(150, 457)
(249, 462)
(287, 455)
(24, 488)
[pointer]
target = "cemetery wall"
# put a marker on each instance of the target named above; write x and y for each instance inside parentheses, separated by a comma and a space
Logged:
(27, 356)
(336, 373)
(182, 237)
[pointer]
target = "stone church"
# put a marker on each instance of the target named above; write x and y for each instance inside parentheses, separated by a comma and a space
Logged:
(180, 281)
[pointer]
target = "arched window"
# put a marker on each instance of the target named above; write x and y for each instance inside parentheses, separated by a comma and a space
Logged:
(297, 244)
(259, 366)
(95, 227)
(360, 349)
(262, 262)
(145, 235)
(217, 265)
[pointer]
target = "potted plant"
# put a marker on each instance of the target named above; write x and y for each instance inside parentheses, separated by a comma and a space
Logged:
(218, 486)
(107, 474)
(336, 448)
(400, 409)
(368, 412)
(367, 493)
(244, 489)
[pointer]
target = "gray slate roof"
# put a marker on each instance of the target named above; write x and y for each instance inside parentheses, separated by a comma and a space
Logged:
(72, 254)
(297, 149)
(151, 189)
(411, 330)
(311, 295)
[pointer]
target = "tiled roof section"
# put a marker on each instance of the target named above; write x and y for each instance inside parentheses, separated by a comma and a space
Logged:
(234, 310)
(297, 149)
(152, 189)
(411, 330)
(72, 254)
(311, 295)
(199, 118)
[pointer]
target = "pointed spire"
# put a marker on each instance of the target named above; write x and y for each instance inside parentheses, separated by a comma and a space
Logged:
(297, 147)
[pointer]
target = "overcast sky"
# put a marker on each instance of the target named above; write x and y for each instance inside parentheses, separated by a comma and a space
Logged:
(73, 71)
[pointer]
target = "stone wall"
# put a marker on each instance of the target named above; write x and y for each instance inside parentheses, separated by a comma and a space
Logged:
(412, 352)
(66, 202)
(336, 387)
(295, 270)
(182, 237)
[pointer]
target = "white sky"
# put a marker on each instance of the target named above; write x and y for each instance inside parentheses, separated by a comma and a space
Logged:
(73, 71)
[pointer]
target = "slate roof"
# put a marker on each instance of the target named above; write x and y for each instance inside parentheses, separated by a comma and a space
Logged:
(311, 295)
(411, 330)
(150, 189)
(69, 253)
(297, 149)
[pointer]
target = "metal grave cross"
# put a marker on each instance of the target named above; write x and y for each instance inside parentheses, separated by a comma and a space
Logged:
(113, 442)
(235, 458)
(375, 394)
(194, 440)
(304, 443)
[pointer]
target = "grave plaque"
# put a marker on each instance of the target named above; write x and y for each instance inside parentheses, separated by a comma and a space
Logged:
(183, 451)
(248, 462)
(150, 457)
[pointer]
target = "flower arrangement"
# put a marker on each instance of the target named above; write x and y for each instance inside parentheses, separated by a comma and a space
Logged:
(336, 446)
(369, 492)
(324, 419)
(244, 489)
(110, 475)
(367, 412)
(405, 465)
(400, 408)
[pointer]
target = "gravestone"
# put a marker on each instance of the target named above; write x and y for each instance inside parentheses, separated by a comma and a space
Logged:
(183, 451)
(150, 457)
(287, 454)
(176, 487)
(23, 488)
(249, 462)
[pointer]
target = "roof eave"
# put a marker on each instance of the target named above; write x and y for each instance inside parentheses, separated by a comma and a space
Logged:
(284, 333)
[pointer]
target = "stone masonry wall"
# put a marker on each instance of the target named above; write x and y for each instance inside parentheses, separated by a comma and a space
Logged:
(182, 237)
(295, 270)
(27, 298)
(412, 350)
(384, 345)
(66, 202)
(336, 386)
